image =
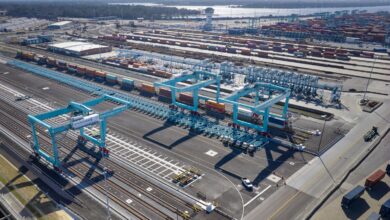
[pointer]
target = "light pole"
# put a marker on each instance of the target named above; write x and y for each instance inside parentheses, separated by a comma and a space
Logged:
(368, 81)
(318, 151)
(322, 134)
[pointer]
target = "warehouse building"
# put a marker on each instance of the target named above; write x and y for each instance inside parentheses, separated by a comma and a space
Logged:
(59, 25)
(75, 48)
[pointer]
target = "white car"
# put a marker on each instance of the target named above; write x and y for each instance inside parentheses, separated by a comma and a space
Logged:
(247, 183)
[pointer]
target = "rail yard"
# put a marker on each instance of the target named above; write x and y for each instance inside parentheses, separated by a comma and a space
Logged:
(141, 121)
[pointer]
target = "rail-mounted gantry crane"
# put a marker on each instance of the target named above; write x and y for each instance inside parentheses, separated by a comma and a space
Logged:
(77, 116)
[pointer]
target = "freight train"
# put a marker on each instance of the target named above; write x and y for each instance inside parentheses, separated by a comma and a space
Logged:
(210, 106)
(257, 46)
(254, 47)
(99, 76)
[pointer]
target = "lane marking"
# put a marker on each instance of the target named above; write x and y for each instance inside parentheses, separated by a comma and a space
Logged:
(269, 186)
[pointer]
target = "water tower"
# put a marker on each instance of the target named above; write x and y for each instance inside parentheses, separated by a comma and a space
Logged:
(209, 19)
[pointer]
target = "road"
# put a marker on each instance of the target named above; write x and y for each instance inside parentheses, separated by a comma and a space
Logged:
(373, 199)
(307, 186)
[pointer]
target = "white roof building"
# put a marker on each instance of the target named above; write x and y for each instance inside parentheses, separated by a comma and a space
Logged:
(79, 48)
(59, 25)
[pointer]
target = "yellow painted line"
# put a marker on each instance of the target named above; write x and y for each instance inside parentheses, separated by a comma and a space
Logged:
(284, 205)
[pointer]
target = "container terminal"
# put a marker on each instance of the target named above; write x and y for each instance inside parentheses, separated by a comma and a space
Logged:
(190, 119)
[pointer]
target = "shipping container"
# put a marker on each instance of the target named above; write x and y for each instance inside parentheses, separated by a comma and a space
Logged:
(380, 50)
(264, 47)
(41, 60)
(137, 65)
(342, 56)
(127, 84)
(262, 54)
(186, 98)
(355, 52)
(26, 56)
(374, 179)
(51, 62)
(367, 55)
(251, 45)
(231, 50)
(221, 49)
(81, 71)
(315, 53)
(277, 49)
(213, 48)
(246, 52)
(352, 196)
(163, 92)
(203, 46)
(215, 106)
(147, 88)
(245, 114)
(332, 50)
(90, 73)
(183, 44)
(72, 68)
(329, 55)
(277, 122)
(62, 65)
(299, 54)
(100, 76)
(385, 209)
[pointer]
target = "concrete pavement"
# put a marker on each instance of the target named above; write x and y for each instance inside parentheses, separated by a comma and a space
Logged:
(371, 201)
(315, 180)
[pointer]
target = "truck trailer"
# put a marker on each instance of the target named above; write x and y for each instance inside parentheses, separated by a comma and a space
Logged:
(352, 196)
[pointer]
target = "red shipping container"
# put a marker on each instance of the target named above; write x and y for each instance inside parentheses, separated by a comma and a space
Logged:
(374, 179)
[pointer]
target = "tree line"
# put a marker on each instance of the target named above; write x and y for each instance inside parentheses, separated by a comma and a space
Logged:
(52, 10)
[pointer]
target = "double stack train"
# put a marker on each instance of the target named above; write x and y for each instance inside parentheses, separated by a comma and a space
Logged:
(209, 106)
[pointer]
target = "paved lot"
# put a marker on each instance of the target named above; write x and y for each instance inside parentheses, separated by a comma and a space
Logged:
(165, 150)
(369, 202)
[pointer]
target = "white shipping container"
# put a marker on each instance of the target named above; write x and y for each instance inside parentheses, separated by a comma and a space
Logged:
(352, 39)
(85, 121)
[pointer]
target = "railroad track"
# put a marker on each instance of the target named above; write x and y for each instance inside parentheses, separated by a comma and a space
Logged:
(292, 109)
(20, 127)
(157, 195)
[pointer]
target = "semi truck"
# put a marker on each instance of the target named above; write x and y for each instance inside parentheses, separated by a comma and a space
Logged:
(352, 196)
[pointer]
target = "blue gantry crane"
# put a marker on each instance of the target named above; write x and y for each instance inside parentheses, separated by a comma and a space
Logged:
(80, 116)
(199, 79)
(266, 95)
